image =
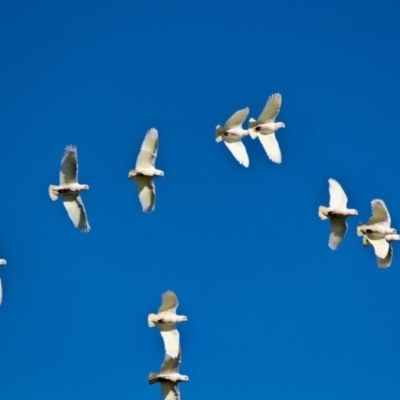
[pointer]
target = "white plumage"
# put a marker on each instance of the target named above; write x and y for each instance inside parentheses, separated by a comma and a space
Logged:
(145, 171)
(69, 189)
(232, 133)
(169, 377)
(337, 212)
(265, 127)
(166, 320)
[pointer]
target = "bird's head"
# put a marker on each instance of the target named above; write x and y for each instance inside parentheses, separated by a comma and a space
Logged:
(84, 187)
(184, 378)
(281, 124)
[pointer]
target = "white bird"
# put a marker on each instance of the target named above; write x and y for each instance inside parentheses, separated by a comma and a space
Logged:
(145, 170)
(387, 261)
(265, 127)
(2, 262)
(69, 189)
(166, 320)
(169, 377)
(377, 227)
(337, 212)
(232, 133)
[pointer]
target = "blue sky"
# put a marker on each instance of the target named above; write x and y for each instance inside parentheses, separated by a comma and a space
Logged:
(273, 312)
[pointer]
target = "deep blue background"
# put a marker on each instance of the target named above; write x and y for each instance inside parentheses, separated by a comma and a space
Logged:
(273, 312)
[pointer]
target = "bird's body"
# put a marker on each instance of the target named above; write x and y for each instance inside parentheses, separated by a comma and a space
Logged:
(337, 212)
(265, 127)
(169, 377)
(377, 228)
(166, 320)
(232, 134)
(145, 171)
(69, 189)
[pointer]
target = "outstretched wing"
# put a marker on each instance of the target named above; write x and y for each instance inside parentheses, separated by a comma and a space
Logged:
(271, 147)
(238, 150)
(148, 151)
(147, 193)
(380, 213)
(69, 165)
(169, 302)
(170, 337)
(170, 364)
(387, 261)
(76, 211)
(237, 119)
(338, 198)
(170, 391)
(271, 109)
(338, 230)
(381, 247)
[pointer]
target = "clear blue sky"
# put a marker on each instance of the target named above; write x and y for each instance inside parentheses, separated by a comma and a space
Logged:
(273, 312)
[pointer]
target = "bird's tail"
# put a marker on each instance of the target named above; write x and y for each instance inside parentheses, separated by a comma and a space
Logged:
(132, 174)
(360, 227)
(150, 319)
(322, 212)
(53, 192)
(252, 124)
(153, 378)
(218, 133)
(366, 241)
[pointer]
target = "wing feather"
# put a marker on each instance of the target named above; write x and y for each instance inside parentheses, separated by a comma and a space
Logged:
(239, 151)
(387, 261)
(380, 213)
(171, 339)
(338, 231)
(169, 302)
(338, 198)
(237, 119)
(271, 147)
(170, 391)
(148, 151)
(271, 109)
(76, 211)
(381, 247)
(170, 364)
(147, 192)
(69, 165)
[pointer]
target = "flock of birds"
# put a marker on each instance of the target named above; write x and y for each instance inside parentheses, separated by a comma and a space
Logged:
(376, 232)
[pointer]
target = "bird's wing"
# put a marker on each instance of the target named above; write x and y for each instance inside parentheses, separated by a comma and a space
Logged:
(148, 151)
(171, 340)
(238, 150)
(381, 247)
(271, 109)
(76, 211)
(237, 119)
(147, 193)
(380, 213)
(385, 262)
(338, 198)
(69, 165)
(170, 391)
(271, 147)
(338, 230)
(170, 364)
(169, 302)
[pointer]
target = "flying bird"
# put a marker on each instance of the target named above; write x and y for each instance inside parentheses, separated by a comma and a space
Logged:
(166, 320)
(377, 227)
(69, 189)
(337, 212)
(232, 133)
(265, 127)
(2, 262)
(387, 261)
(169, 377)
(145, 171)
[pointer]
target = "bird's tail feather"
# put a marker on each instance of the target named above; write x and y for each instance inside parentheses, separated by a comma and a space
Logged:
(153, 378)
(53, 192)
(322, 211)
(252, 123)
(359, 229)
(150, 320)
